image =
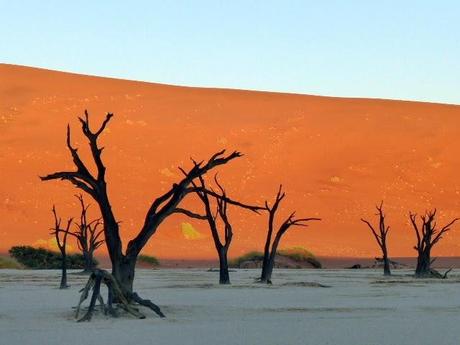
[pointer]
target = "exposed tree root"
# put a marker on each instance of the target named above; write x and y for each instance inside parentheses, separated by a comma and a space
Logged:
(432, 273)
(147, 303)
(95, 280)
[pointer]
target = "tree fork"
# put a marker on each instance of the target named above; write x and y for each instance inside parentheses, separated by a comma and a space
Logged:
(123, 264)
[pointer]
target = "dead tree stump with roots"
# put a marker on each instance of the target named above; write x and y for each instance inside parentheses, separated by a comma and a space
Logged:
(115, 296)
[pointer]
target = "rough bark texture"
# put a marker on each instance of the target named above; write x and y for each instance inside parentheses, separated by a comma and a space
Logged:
(427, 235)
(271, 248)
(381, 237)
(115, 293)
(123, 263)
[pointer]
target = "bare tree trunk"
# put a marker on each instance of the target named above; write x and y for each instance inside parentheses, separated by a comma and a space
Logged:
(221, 211)
(423, 268)
(270, 253)
(427, 236)
(123, 270)
(266, 259)
(381, 237)
(267, 270)
(61, 243)
(224, 276)
(271, 259)
(64, 272)
(386, 265)
(94, 184)
(88, 262)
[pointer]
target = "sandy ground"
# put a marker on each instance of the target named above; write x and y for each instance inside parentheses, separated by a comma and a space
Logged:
(359, 307)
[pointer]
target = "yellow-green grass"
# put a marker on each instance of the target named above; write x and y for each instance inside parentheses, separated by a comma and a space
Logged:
(7, 262)
(297, 254)
(148, 259)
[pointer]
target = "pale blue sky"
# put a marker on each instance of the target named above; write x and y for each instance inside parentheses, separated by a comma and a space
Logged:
(386, 49)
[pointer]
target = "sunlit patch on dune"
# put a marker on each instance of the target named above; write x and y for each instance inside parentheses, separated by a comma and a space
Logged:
(336, 179)
(222, 141)
(189, 232)
(167, 172)
(50, 244)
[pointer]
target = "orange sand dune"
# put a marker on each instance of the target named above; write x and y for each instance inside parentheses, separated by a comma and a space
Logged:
(336, 158)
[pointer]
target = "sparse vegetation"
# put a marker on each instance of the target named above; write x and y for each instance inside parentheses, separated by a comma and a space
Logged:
(296, 254)
(40, 258)
(148, 259)
(251, 256)
(300, 254)
(7, 262)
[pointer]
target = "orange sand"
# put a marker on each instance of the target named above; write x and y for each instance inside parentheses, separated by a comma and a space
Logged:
(337, 158)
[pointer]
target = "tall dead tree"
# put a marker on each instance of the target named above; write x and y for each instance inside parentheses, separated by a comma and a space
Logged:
(123, 263)
(88, 235)
(271, 247)
(427, 235)
(381, 237)
(60, 235)
(213, 217)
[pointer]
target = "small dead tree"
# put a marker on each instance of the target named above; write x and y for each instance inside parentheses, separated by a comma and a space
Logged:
(427, 236)
(381, 237)
(271, 248)
(88, 235)
(60, 235)
(221, 206)
(94, 184)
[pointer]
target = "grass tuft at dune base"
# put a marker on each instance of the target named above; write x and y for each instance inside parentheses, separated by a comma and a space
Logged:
(294, 257)
(147, 260)
(7, 262)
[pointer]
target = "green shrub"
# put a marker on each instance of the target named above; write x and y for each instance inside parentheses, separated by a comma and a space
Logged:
(300, 254)
(251, 256)
(147, 259)
(297, 254)
(7, 262)
(40, 258)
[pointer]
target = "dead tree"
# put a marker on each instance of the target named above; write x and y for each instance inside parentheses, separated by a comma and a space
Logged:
(96, 279)
(88, 235)
(381, 237)
(221, 205)
(60, 235)
(271, 248)
(427, 236)
(123, 263)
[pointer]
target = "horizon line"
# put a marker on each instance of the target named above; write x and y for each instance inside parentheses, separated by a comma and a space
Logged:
(225, 87)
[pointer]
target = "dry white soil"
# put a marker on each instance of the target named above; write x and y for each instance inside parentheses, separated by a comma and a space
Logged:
(359, 307)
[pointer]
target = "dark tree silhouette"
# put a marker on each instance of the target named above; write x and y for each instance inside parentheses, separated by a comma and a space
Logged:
(427, 235)
(381, 237)
(221, 206)
(60, 235)
(271, 247)
(123, 263)
(88, 235)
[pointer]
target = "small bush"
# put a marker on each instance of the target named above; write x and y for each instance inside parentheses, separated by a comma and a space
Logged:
(300, 254)
(40, 258)
(6, 262)
(251, 256)
(297, 254)
(147, 259)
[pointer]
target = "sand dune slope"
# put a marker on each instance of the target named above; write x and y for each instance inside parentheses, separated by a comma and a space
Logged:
(336, 158)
